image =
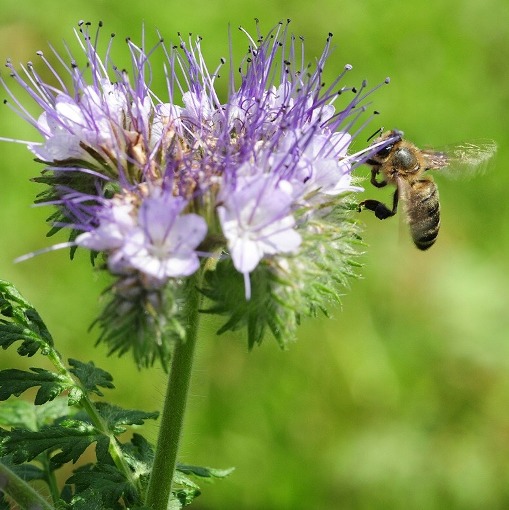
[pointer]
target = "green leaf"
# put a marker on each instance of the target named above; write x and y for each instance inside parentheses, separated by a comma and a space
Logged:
(91, 377)
(15, 382)
(143, 450)
(21, 323)
(186, 489)
(23, 414)
(205, 472)
(71, 437)
(87, 500)
(174, 504)
(18, 414)
(10, 333)
(105, 482)
(117, 417)
(139, 454)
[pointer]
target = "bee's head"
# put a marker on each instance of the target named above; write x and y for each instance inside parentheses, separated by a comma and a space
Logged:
(391, 138)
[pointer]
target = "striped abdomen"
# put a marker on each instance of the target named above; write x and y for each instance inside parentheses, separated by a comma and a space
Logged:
(423, 211)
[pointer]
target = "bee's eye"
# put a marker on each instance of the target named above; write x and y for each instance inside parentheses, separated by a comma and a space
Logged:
(382, 153)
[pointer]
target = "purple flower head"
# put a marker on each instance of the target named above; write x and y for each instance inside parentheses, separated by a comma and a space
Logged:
(277, 146)
(156, 182)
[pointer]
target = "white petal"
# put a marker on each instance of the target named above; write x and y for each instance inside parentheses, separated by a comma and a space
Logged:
(245, 255)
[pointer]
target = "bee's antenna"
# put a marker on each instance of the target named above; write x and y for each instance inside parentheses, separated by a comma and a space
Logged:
(379, 130)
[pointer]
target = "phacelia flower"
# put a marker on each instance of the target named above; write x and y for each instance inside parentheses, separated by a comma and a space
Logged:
(257, 180)
(256, 219)
(155, 239)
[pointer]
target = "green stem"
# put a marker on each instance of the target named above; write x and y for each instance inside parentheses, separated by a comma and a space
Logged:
(51, 479)
(20, 491)
(99, 423)
(172, 418)
(114, 448)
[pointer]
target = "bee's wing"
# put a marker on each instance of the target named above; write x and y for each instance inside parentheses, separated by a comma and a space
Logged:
(462, 160)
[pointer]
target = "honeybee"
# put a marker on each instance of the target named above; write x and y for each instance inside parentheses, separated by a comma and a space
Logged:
(402, 164)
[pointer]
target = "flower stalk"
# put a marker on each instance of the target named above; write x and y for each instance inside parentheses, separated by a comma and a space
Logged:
(172, 418)
(20, 491)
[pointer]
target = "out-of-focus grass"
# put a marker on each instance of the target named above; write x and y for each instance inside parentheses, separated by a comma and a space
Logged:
(401, 401)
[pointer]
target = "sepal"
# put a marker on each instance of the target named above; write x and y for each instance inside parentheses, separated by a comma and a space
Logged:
(146, 323)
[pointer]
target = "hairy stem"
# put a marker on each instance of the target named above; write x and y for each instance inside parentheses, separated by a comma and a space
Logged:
(114, 448)
(20, 491)
(172, 418)
(51, 479)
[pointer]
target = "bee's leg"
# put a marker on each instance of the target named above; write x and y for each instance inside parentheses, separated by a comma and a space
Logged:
(374, 174)
(381, 211)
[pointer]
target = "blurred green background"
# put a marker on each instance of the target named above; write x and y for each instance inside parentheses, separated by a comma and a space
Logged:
(401, 401)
